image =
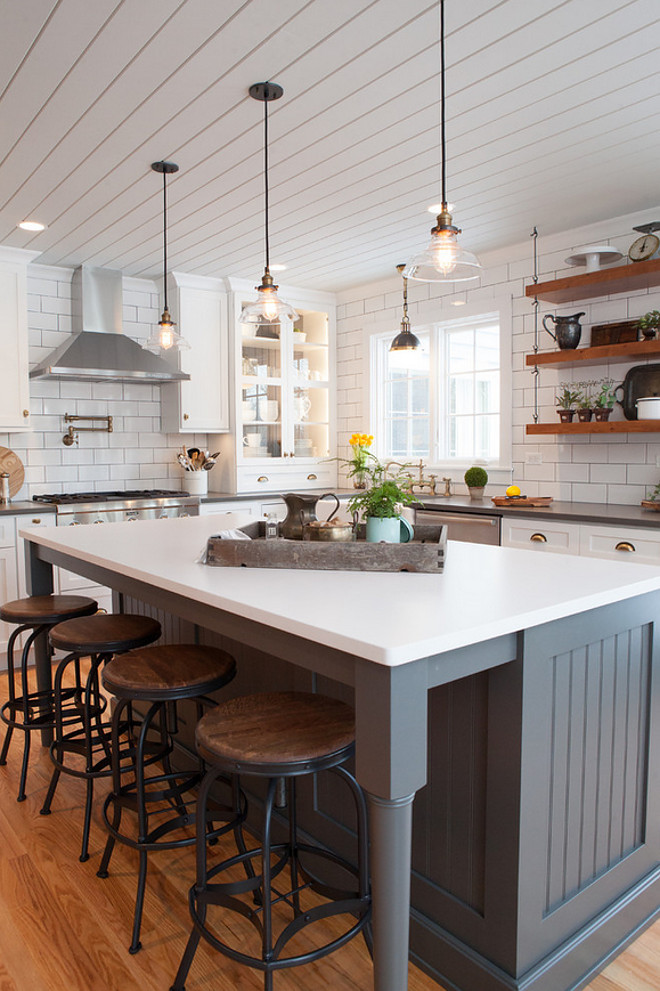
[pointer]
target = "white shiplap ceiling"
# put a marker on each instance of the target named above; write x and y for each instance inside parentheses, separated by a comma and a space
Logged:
(552, 120)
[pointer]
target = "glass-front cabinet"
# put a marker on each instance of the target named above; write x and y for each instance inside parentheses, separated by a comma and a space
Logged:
(284, 432)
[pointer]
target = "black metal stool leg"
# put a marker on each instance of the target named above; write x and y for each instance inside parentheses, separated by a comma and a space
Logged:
(12, 691)
(116, 788)
(59, 731)
(87, 822)
(143, 822)
(24, 768)
(267, 941)
(136, 945)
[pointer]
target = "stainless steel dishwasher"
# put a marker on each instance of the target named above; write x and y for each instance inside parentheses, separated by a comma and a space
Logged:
(471, 527)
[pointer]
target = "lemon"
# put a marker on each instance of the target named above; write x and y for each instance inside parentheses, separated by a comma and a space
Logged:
(513, 490)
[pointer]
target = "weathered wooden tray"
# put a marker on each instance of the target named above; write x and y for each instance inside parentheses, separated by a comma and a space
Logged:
(426, 552)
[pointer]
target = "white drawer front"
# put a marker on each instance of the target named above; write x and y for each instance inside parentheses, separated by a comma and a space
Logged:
(541, 535)
(619, 544)
(230, 506)
(282, 479)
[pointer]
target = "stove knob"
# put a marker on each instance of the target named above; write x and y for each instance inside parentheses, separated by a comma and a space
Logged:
(98, 521)
(163, 516)
(184, 516)
(131, 519)
(74, 523)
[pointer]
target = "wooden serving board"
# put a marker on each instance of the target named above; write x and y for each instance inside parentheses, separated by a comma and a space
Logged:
(11, 463)
(425, 553)
(650, 504)
(522, 500)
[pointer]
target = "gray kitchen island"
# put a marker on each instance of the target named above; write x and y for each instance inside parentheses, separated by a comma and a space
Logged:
(507, 717)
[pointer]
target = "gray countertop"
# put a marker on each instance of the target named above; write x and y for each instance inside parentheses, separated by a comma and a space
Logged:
(574, 512)
(23, 508)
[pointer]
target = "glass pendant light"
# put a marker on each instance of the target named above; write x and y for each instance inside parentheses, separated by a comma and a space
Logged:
(165, 338)
(444, 260)
(267, 311)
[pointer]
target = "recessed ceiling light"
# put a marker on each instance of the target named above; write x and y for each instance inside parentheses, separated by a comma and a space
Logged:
(437, 207)
(278, 268)
(457, 302)
(32, 225)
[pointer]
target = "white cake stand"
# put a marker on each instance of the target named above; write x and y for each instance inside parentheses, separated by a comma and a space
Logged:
(593, 256)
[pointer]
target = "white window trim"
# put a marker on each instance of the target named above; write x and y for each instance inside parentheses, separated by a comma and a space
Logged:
(501, 305)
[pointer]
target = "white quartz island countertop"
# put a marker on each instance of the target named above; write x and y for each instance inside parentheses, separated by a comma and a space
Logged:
(390, 619)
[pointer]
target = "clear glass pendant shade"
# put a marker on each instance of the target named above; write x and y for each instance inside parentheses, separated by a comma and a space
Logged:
(165, 338)
(444, 260)
(267, 308)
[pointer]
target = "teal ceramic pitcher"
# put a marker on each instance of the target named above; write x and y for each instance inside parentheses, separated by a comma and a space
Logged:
(389, 530)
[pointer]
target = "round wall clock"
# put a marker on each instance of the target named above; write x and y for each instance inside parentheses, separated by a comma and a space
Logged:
(643, 248)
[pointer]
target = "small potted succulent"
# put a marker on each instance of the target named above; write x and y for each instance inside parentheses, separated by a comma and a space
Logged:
(567, 400)
(476, 479)
(604, 401)
(649, 324)
(585, 401)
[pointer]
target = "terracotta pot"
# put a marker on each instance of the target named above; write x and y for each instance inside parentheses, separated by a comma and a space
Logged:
(602, 414)
(566, 415)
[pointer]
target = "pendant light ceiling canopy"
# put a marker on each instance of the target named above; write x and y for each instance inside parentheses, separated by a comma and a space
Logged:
(405, 340)
(444, 260)
(268, 310)
(165, 338)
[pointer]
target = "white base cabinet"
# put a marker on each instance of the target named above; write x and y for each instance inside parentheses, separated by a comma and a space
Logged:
(617, 543)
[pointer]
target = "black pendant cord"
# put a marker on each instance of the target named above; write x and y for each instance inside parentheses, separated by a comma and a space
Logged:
(165, 239)
(442, 104)
(266, 184)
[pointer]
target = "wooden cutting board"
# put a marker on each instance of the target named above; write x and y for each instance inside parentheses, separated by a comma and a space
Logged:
(11, 463)
(650, 504)
(522, 500)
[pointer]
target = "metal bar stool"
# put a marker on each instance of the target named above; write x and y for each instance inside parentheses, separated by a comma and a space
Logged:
(275, 736)
(100, 637)
(162, 676)
(28, 710)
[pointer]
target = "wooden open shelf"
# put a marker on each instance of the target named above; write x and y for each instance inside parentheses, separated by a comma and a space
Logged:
(607, 281)
(608, 427)
(606, 353)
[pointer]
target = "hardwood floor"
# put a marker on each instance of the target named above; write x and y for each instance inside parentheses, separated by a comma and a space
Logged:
(64, 929)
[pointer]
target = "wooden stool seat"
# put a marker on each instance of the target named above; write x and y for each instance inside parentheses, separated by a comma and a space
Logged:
(37, 610)
(169, 671)
(105, 634)
(279, 736)
(257, 733)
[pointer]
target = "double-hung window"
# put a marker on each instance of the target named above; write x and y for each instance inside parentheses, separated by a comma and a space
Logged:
(450, 403)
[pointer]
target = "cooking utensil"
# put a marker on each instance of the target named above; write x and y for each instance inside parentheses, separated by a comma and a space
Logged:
(12, 464)
(641, 381)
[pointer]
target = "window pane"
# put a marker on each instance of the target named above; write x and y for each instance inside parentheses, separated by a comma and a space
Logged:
(398, 399)
(487, 436)
(460, 351)
(420, 436)
(463, 437)
(486, 392)
(420, 395)
(488, 348)
(461, 394)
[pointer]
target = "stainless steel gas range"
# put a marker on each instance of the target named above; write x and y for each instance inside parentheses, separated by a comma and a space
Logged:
(113, 507)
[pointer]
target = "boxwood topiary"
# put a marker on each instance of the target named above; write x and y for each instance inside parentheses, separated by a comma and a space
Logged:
(475, 477)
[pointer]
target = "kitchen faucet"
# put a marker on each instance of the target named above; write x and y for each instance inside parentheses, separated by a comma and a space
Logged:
(422, 483)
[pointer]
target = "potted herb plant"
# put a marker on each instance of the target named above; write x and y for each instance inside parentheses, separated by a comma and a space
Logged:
(649, 324)
(585, 401)
(381, 502)
(604, 401)
(476, 479)
(566, 400)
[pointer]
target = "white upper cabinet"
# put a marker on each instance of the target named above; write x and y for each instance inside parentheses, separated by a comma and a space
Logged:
(199, 306)
(283, 398)
(14, 367)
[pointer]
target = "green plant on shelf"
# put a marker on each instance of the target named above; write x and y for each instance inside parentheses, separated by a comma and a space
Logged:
(654, 496)
(568, 397)
(585, 392)
(649, 324)
(606, 397)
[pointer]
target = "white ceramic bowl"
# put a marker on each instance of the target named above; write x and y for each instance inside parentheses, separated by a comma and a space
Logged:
(648, 408)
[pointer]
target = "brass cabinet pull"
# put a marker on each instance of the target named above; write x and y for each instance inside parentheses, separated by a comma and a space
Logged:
(262, 478)
(26, 412)
(312, 477)
(36, 520)
(539, 538)
(625, 545)
(186, 416)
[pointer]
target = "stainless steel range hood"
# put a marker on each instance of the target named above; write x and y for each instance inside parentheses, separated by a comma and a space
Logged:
(98, 350)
